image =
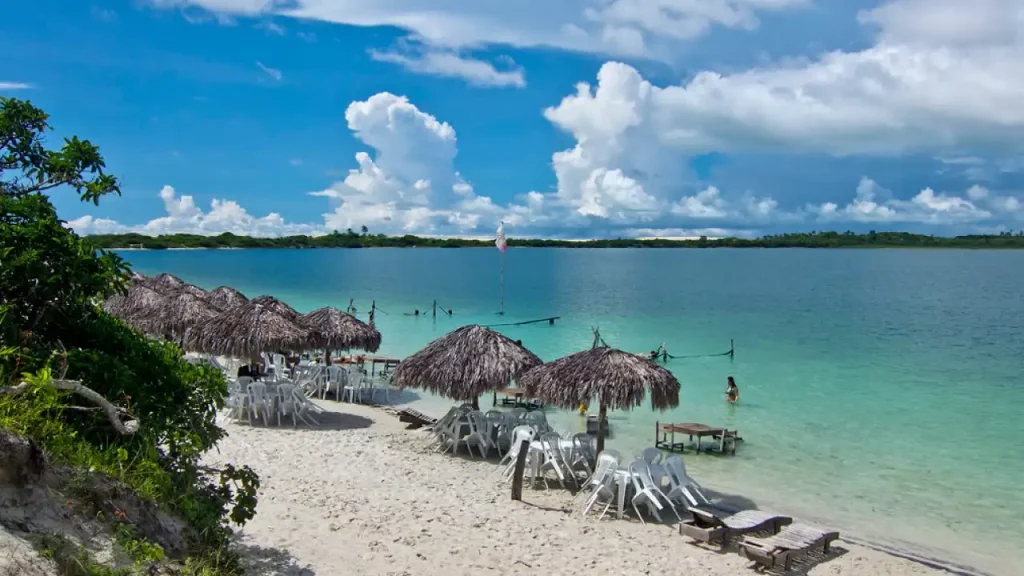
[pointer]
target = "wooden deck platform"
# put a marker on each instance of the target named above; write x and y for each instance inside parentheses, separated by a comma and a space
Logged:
(665, 437)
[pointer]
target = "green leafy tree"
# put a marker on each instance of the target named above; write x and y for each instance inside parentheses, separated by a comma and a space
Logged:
(51, 282)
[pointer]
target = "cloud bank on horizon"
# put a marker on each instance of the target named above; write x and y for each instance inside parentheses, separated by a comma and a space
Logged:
(942, 79)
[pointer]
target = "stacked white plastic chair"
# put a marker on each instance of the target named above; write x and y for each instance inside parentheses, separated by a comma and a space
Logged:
(507, 464)
(259, 404)
(479, 433)
(553, 459)
(582, 455)
(443, 430)
(649, 492)
(602, 483)
(683, 489)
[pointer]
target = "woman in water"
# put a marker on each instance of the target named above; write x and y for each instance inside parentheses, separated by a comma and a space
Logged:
(732, 392)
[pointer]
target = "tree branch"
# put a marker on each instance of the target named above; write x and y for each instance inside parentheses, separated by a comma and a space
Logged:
(129, 427)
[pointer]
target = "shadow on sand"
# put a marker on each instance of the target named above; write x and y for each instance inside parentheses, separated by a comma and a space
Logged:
(261, 561)
(325, 421)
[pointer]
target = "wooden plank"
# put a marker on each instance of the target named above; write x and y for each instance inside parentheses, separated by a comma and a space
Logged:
(520, 469)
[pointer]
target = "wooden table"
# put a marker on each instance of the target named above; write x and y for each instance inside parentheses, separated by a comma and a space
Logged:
(665, 436)
(387, 361)
(515, 397)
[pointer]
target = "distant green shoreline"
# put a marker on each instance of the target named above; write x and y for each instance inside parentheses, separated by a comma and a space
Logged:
(352, 239)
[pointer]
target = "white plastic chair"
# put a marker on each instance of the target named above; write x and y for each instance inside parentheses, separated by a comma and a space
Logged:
(286, 402)
(354, 384)
(442, 430)
(508, 461)
(681, 485)
(550, 443)
(538, 420)
(259, 404)
(643, 483)
(582, 454)
(602, 483)
(651, 455)
(236, 404)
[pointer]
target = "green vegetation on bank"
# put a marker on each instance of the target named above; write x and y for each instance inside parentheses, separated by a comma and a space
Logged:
(53, 335)
(350, 239)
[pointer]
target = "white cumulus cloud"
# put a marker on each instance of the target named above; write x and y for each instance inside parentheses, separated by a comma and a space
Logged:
(872, 203)
(618, 27)
(411, 184)
(185, 217)
(452, 65)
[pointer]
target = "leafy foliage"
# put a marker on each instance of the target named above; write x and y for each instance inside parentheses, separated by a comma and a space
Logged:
(350, 239)
(50, 284)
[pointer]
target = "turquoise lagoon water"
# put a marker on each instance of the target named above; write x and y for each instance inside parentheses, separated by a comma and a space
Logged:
(881, 389)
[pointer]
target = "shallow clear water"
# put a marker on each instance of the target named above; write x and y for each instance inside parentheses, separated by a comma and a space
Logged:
(880, 389)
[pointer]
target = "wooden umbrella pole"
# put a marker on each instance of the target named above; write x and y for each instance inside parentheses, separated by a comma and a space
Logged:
(601, 414)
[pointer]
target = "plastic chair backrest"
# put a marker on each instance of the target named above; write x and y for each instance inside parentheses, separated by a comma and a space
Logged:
(584, 444)
(607, 464)
(284, 392)
(244, 381)
(637, 470)
(521, 433)
(652, 455)
(551, 442)
(257, 391)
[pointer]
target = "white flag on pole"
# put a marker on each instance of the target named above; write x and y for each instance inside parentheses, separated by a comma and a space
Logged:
(499, 240)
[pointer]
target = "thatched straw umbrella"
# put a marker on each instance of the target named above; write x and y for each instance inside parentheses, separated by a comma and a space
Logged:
(165, 283)
(170, 284)
(332, 329)
(246, 332)
(140, 307)
(184, 311)
(465, 363)
(225, 298)
(136, 278)
(278, 307)
(619, 379)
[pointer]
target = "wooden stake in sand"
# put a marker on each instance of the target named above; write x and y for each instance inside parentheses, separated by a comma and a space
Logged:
(520, 469)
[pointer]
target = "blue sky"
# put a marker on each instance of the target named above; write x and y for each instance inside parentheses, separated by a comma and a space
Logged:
(746, 117)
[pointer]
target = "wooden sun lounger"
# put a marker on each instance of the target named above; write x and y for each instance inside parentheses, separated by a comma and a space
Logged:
(415, 418)
(711, 524)
(791, 543)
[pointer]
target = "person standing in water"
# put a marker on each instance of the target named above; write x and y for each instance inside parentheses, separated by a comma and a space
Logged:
(732, 392)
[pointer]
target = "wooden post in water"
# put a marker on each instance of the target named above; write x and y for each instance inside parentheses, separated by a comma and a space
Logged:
(435, 309)
(732, 349)
(520, 470)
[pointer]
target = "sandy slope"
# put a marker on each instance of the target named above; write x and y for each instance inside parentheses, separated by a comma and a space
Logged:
(362, 496)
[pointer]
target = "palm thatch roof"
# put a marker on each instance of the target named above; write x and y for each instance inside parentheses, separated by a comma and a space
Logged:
(165, 283)
(193, 290)
(465, 363)
(332, 329)
(136, 278)
(246, 331)
(619, 379)
(184, 311)
(277, 307)
(225, 298)
(140, 307)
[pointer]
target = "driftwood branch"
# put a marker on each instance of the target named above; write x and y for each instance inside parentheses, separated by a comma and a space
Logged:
(113, 412)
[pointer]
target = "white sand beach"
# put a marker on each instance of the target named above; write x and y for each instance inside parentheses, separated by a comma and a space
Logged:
(362, 495)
